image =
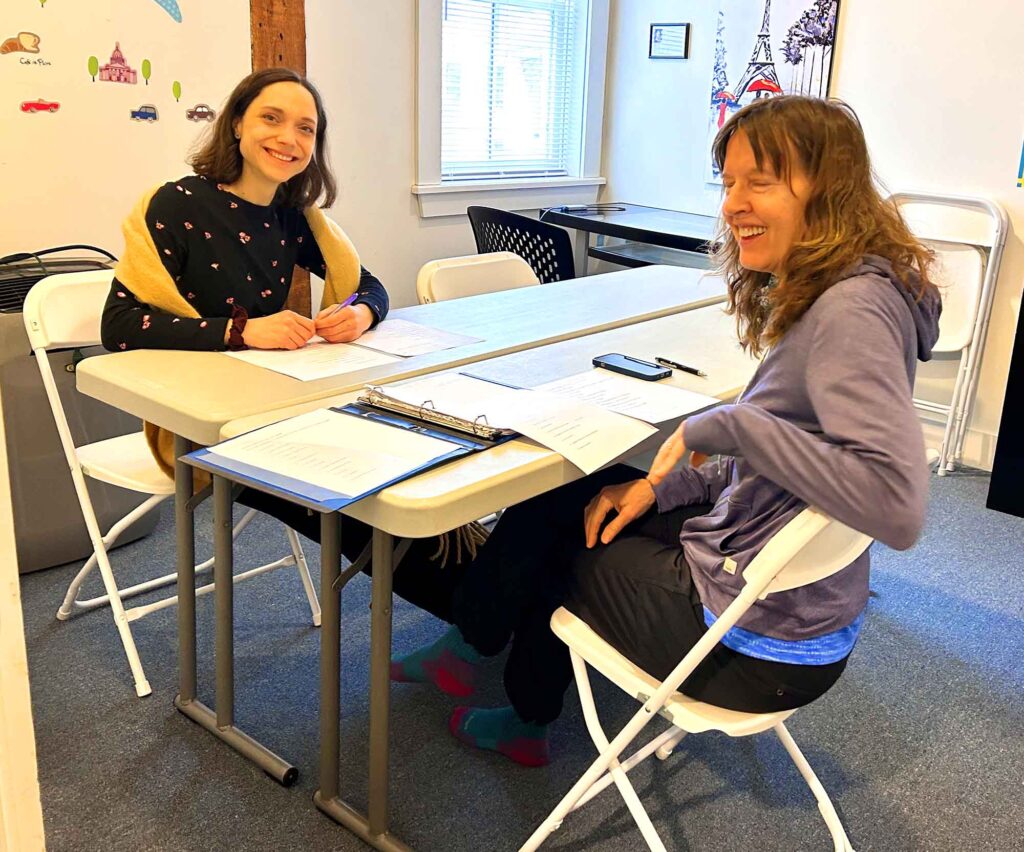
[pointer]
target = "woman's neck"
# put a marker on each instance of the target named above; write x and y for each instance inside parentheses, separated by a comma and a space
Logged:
(255, 192)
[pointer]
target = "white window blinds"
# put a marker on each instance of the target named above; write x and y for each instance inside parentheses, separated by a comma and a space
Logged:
(512, 88)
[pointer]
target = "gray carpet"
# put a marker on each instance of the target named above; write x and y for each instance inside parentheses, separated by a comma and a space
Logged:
(920, 744)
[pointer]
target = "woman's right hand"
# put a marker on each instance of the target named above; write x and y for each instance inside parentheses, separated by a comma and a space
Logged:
(283, 330)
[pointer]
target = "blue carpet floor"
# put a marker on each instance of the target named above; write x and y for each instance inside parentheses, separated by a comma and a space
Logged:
(921, 743)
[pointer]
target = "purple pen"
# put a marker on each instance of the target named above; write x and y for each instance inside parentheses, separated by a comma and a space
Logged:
(344, 304)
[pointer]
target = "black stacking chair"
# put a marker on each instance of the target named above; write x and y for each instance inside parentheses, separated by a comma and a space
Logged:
(547, 248)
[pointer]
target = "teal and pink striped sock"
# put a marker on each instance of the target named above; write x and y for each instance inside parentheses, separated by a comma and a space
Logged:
(449, 663)
(501, 730)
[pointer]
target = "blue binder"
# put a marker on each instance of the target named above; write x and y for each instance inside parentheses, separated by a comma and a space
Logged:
(323, 499)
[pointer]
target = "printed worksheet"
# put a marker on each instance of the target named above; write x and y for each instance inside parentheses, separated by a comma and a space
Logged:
(401, 337)
(344, 454)
(587, 435)
(316, 360)
(652, 402)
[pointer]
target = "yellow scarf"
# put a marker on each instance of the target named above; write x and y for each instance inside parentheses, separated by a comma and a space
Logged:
(143, 273)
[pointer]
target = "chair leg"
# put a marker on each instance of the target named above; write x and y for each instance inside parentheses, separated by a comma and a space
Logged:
(71, 601)
(615, 769)
(949, 437)
(142, 687)
(303, 569)
(825, 806)
(607, 761)
(665, 752)
(654, 746)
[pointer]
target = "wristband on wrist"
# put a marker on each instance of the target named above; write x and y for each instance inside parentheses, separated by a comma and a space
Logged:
(239, 317)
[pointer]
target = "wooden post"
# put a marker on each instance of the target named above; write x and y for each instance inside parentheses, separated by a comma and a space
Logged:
(278, 30)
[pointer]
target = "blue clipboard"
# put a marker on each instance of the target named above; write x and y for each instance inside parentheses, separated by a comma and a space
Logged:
(323, 499)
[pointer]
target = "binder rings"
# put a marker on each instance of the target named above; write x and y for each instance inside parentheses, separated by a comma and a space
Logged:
(376, 398)
(268, 476)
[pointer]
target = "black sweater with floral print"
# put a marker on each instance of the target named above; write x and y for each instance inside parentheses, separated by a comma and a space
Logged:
(221, 251)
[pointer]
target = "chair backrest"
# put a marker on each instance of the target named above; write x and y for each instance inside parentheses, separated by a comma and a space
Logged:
(960, 273)
(546, 247)
(967, 235)
(64, 310)
(471, 275)
(809, 548)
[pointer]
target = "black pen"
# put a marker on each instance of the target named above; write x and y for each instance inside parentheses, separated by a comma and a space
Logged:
(675, 365)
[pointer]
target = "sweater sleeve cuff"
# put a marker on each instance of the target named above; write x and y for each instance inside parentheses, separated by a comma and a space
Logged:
(682, 487)
(212, 337)
(375, 309)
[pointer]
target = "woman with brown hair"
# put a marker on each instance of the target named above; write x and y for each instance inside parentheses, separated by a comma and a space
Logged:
(826, 281)
(208, 258)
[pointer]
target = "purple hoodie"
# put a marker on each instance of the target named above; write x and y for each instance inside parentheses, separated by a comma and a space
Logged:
(827, 420)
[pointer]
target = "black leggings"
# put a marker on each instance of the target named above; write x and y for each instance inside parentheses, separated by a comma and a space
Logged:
(636, 593)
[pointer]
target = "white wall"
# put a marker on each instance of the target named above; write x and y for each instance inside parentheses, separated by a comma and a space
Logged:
(72, 176)
(936, 87)
(362, 57)
(917, 72)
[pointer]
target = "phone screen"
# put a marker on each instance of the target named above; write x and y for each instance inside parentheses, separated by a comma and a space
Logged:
(635, 367)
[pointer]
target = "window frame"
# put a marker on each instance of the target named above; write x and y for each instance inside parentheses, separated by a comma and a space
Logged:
(437, 197)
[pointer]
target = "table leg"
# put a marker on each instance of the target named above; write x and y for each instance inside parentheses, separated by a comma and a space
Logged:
(224, 602)
(380, 680)
(330, 656)
(372, 829)
(184, 524)
(220, 724)
(581, 243)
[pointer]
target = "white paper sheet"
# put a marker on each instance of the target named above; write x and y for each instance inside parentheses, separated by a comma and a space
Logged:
(401, 337)
(585, 434)
(648, 401)
(588, 436)
(316, 360)
(339, 452)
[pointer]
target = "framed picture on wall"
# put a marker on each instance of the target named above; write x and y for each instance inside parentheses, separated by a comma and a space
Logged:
(669, 41)
(766, 48)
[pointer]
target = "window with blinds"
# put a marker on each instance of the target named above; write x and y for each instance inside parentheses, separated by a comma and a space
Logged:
(512, 87)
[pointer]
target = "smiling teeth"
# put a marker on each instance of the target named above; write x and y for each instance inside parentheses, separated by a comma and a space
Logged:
(281, 157)
(751, 231)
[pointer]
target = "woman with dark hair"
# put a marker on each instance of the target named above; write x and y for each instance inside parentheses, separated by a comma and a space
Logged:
(209, 258)
(828, 284)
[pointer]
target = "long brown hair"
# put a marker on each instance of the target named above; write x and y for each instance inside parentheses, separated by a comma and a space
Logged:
(845, 216)
(219, 158)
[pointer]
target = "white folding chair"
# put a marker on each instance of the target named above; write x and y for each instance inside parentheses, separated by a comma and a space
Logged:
(471, 275)
(61, 312)
(967, 236)
(809, 548)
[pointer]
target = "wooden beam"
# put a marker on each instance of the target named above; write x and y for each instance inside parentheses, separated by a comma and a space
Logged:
(278, 34)
(278, 30)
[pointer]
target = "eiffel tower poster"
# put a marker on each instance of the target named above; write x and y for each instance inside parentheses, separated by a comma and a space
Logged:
(766, 48)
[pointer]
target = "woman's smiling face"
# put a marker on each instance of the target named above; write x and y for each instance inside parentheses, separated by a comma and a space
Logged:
(277, 135)
(764, 211)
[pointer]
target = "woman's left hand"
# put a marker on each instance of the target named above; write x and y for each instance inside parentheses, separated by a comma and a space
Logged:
(344, 325)
(629, 501)
(669, 456)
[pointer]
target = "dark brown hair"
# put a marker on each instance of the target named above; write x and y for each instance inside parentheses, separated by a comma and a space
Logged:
(845, 216)
(219, 158)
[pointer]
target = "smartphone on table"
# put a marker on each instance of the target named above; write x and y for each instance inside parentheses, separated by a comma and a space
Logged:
(634, 367)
